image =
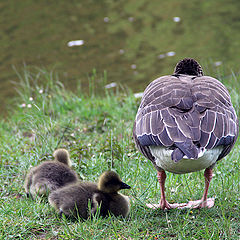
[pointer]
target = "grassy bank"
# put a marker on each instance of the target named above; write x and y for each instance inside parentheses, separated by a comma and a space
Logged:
(97, 131)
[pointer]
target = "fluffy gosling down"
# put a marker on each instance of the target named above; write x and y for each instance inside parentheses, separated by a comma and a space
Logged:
(50, 175)
(75, 199)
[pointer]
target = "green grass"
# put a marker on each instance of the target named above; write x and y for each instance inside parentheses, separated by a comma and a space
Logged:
(97, 131)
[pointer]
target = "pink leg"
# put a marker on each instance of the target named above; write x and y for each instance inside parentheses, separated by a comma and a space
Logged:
(204, 202)
(208, 174)
(161, 175)
(208, 178)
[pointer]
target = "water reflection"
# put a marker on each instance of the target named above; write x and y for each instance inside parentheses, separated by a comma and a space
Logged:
(135, 41)
(75, 43)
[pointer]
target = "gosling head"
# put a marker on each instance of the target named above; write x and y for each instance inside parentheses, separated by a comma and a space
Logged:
(110, 182)
(189, 66)
(62, 155)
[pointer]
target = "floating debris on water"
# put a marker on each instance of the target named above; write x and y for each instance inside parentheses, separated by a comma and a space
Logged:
(111, 85)
(133, 66)
(176, 19)
(106, 19)
(75, 43)
(218, 63)
(121, 51)
(131, 19)
(170, 54)
(161, 56)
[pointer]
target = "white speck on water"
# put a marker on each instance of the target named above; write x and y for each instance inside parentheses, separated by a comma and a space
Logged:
(138, 95)
(176, 19)
(111, 85)
(121, 51)
(161, 56)
(133, 66)
(218, 63)
(170, 54)
(131, 19)
(106, 19)
(75, 43)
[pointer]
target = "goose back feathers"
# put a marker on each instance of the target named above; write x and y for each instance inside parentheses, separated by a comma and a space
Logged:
(187, 114)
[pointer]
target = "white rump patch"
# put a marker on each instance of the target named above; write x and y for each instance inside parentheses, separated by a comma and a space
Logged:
(205, 159)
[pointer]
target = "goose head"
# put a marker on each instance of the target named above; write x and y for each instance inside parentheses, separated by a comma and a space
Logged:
(110, 182)
(189, 66)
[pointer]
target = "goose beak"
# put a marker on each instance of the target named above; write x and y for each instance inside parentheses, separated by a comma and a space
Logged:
(125, 186)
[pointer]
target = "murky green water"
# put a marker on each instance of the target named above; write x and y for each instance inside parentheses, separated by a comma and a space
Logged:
(135, 41)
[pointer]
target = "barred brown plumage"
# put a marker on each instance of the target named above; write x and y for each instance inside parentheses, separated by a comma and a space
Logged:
(183, 119)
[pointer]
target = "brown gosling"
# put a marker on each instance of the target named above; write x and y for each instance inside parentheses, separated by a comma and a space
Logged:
(75, 199)
(50, 175)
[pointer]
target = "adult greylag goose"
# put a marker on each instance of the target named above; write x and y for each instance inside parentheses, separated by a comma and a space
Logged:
(185, 123)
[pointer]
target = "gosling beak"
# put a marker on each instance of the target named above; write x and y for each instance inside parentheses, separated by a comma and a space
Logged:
(124, 186)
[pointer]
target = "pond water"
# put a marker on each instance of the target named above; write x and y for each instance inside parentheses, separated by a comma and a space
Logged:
(135, 41)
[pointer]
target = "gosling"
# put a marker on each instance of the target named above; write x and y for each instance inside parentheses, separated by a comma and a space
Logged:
(50, 175)
(86, 198)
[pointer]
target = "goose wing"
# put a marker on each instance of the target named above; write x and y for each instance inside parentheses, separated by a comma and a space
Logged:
(185, 113)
